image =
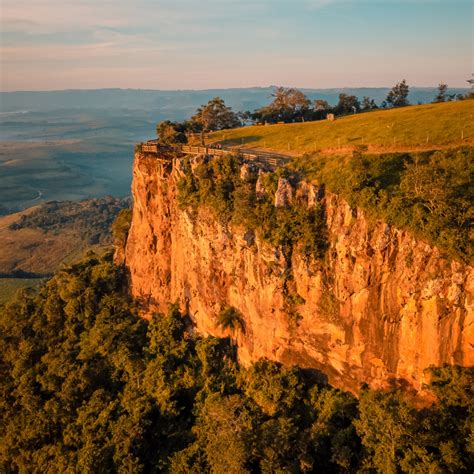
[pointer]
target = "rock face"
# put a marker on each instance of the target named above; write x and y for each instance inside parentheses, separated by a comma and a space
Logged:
(380, 308)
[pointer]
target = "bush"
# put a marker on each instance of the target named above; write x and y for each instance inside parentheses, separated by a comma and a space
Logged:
(121, 226)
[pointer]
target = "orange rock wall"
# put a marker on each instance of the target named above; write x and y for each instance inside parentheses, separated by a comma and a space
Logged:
(380, 308)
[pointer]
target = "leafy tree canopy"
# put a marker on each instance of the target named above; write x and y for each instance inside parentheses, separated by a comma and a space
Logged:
(87, 386)
(215, 115)
(171, 133)
(398, 96)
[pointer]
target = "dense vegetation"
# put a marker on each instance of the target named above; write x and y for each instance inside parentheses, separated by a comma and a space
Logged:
(219, 185)
(86, 386)
(429, 193)
(121, 226)
(92, 218)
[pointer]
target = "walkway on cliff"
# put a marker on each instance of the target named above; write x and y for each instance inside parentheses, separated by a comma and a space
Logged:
(269, 158)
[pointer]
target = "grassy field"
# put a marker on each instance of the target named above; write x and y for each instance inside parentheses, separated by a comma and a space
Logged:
(410, 128)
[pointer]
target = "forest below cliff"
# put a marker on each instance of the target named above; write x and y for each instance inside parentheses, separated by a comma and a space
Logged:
(88, 386)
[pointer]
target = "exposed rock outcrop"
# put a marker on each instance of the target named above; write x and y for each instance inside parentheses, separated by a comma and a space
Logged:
(284, 193)
(380, 308)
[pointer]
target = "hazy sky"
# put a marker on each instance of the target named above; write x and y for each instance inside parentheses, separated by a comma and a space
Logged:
(181, 44)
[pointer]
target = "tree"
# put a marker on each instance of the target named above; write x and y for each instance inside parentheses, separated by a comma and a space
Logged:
(231, 319)
(121, 226)
(245, 117)
(368, 104)
(215, 115)
(398, 96)
(320, 109)
(442, 93)
(348, 104)
(320, 104)
(171, 133)
(298, 103)
(289, 105)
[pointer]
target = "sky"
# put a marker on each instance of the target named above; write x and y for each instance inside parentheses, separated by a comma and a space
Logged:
(202, 44)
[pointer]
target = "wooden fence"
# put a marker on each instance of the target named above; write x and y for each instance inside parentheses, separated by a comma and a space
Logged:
(266, 158)
(272, 160)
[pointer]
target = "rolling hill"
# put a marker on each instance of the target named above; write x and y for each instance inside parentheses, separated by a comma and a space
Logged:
(417, 127)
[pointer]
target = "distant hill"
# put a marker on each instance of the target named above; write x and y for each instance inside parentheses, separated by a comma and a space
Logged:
(181, 104)
(38, 241)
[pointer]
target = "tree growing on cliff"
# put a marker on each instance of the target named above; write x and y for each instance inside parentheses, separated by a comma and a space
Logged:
(121, 226)
(398, 96)
(231, 319)
(171, 133)
(215, 115)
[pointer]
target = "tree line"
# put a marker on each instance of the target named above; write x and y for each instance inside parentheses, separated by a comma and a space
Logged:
(288, 105)
(87, 386)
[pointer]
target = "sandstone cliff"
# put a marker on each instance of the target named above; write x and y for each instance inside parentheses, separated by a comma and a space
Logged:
(380, 308)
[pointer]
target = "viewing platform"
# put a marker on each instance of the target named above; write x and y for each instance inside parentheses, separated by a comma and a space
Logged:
(273, 160)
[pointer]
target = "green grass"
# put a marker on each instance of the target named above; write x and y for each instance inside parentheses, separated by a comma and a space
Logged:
(9, 286)
(416, 127)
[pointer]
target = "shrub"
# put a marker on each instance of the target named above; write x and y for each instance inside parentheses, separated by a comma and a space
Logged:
(121, 226)
(231, 319)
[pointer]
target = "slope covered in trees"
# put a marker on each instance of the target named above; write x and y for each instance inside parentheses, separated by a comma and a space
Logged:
(37, 241)
(87, 386)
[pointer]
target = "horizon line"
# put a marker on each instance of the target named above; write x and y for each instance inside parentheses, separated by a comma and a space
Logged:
(74, 89)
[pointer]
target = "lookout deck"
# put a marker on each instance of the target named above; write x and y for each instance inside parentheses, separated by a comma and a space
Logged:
(271, 159)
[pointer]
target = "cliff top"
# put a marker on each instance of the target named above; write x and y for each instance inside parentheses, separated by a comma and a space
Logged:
(416, 127)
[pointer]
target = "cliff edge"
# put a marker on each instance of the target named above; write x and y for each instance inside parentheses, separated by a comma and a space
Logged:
(378, 307)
